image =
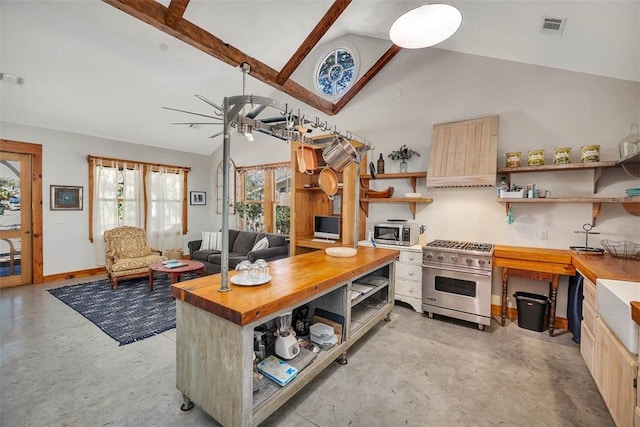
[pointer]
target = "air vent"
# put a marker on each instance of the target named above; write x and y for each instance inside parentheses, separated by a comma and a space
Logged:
(552, 25)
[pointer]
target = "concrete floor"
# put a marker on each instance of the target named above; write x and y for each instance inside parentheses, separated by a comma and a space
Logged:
(58, 369)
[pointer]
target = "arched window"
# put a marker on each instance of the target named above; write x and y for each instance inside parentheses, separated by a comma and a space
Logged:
(336, 72)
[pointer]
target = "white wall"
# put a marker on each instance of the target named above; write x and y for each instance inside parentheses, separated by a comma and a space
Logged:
(539, 107)
(66, 244)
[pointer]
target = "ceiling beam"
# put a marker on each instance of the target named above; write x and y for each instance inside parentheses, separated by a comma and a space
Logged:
(169, 20)
(312, 39)
(175, 11)
(153, 13)
(366, 78)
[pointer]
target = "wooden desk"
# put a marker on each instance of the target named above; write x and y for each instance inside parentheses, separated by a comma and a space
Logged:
(535, 264)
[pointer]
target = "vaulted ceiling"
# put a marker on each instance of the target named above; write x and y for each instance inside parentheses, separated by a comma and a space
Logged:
(96, 69)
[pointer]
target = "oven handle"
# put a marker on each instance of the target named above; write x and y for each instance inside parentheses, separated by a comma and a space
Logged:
(457, 270)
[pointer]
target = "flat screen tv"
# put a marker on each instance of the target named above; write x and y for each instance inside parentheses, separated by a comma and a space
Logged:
(326, 227)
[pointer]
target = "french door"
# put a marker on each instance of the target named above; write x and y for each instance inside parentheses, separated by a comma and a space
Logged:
(15, 219)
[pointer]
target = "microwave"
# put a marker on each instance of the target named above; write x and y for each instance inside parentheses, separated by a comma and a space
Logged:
(402, 234)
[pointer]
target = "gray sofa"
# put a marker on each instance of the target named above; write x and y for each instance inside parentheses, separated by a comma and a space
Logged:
(240, 245)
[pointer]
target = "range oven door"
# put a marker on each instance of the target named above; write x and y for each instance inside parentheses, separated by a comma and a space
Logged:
(460, 294)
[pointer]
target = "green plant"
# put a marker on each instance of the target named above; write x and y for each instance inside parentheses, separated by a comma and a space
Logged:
(403, 153)
(252, 213)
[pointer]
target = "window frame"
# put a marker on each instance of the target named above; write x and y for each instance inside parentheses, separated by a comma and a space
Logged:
(146, 168)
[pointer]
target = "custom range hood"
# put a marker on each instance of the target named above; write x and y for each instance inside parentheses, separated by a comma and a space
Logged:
(464, 153)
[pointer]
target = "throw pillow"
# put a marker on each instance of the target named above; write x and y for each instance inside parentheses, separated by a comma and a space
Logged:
(261, 244)
(211, 241)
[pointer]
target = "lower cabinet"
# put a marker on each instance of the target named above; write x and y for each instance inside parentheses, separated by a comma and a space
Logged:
(409, 278)
(615, 372)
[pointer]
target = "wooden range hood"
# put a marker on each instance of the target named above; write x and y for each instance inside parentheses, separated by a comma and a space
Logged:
(464, 153)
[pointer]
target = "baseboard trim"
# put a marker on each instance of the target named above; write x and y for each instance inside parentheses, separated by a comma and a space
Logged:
(74, 274)
(512, 314)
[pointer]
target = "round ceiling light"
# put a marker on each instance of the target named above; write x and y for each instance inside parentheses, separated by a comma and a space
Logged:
(425, 26)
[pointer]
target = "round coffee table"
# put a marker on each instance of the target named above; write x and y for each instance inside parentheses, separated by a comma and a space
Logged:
(175, 272)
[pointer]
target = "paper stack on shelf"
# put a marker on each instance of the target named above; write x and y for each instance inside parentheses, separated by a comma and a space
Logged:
(278, 371)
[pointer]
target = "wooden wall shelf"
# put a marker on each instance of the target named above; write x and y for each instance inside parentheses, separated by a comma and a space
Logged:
(412, 201)
(630, 204)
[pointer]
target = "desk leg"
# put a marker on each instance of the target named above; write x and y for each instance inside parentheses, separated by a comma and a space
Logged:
(150, 279)
(503, 308)
(552, 297)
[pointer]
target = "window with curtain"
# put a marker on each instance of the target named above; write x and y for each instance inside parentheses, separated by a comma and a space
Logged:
(150, 196)
(263, 192)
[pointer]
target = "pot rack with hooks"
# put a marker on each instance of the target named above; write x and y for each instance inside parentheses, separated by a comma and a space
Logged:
(285, 126)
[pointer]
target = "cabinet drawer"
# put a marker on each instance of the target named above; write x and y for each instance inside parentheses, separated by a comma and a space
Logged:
(414, 258)
(589, 315)
(589, 292)
(587, 345)
(409, 272)
(409, 288)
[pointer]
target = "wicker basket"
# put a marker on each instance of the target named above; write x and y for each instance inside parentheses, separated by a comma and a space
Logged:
(621, 248)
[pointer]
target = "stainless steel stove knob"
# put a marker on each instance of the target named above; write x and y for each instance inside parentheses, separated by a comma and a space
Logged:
(440, 257)
(454, 258)
(428, 256)
(469, 261)
(482, 262)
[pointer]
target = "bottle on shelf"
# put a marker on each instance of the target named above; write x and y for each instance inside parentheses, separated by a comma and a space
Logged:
(380, 164)
(630, 145)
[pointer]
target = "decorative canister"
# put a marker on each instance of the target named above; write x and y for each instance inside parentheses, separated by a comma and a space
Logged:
(562, 155)
(513, 159)
(535, 158)
(589, 153)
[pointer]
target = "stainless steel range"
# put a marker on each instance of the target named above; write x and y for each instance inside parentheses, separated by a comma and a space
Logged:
(456, 280)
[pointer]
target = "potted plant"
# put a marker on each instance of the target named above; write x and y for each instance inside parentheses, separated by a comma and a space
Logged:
(403, 154)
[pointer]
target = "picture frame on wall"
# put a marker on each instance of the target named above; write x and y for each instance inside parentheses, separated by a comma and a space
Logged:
(198, 197)
(65, 198)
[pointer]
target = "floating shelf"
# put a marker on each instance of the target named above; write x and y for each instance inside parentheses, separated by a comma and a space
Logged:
(412, 201)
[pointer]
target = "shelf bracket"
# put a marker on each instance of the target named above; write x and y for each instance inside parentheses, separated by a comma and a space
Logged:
(412, 207)
(595, 211)
(413, 180)
(597, 174)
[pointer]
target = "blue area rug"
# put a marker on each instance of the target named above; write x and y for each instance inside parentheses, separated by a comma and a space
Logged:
(128, 314)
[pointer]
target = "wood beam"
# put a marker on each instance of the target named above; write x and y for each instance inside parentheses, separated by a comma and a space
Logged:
(175, 11)
(154, 13)
(361, 83)
(312, 39)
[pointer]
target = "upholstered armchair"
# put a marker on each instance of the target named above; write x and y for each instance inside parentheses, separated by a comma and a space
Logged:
(127, 253)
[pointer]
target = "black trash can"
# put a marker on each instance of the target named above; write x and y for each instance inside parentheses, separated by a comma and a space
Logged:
(532, 309)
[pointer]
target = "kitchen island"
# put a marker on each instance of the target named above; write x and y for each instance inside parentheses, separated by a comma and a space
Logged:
(215, 330)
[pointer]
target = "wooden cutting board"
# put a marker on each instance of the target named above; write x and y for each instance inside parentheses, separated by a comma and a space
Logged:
(464, 153)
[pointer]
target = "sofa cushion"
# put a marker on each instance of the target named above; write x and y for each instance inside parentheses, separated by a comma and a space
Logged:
(211, 241)
(234, 259)
(261, 244)
(274, 239)
(244, 242)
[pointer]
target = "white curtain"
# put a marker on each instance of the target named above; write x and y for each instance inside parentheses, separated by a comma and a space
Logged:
(108, 182)
(164, 209)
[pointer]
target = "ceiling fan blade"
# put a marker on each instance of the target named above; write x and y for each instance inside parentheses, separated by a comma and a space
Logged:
(216, 134)
(213, 104)
(191, 112)
(196, 123)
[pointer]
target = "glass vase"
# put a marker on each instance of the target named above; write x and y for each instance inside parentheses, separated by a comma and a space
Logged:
(630, 145)
(404, 166)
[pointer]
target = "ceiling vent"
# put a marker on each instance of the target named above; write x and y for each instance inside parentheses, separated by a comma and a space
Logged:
(552, 25)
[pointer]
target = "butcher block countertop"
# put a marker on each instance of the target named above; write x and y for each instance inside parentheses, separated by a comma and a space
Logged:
(293, 280)
(607, 267)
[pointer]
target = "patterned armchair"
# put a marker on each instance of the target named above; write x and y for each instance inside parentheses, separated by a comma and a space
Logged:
(127, 254)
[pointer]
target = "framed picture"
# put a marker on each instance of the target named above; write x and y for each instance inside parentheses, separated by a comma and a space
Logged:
(66, 198)
(198, 197)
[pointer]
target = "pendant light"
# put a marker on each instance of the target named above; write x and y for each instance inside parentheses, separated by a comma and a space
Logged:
(425, 26)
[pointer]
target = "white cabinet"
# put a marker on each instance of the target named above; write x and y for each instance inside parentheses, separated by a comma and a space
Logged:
(409, 278)
(408, 274)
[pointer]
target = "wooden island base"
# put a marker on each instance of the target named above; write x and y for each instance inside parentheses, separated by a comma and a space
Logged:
(215, 330)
